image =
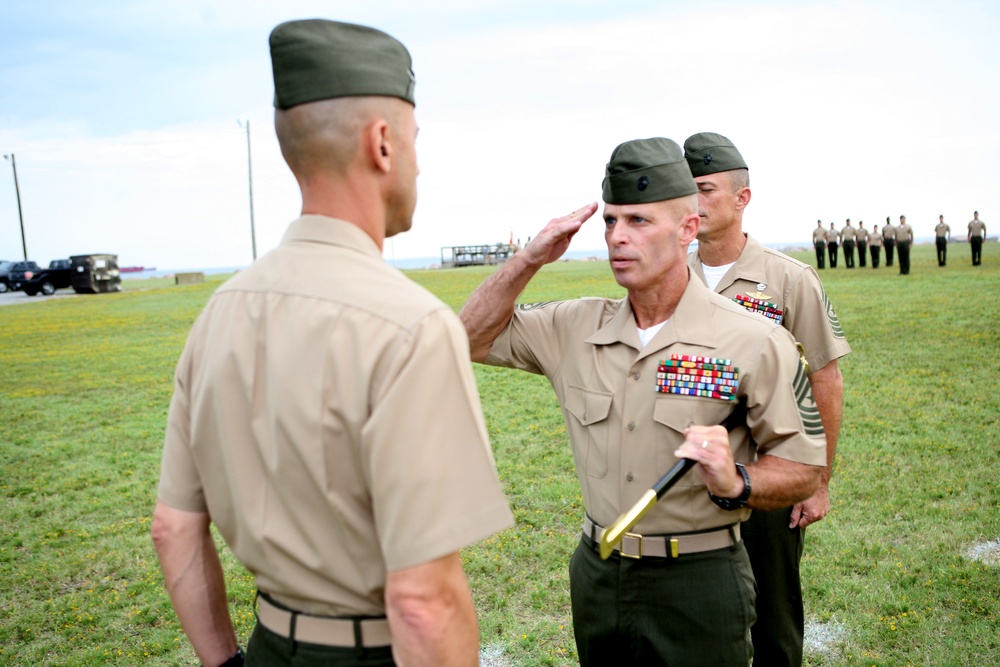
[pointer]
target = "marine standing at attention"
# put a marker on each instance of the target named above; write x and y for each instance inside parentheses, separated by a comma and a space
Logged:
(325, 417)
(862, 244)
(904, 239)
(942, 234)
(643, 381)
(832, 242)
(819, 241)
(848, 234)
(875, 243)
(977, 232)
(889, 238)
(789, 293)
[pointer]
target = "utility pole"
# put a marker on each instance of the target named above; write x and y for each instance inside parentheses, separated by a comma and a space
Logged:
(17, 189)
(253, 233)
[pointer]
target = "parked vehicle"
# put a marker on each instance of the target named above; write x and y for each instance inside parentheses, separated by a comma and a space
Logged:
(47, 281)
(96, 273)
(21, 272)
(5, 268)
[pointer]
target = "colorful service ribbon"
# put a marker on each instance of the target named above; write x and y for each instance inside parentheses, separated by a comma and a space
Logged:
(765, 308)
(689, 375)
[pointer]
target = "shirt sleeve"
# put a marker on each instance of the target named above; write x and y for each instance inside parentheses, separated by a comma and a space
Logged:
(781, 412)
(426, 452)
(180, 482)
(812, 321)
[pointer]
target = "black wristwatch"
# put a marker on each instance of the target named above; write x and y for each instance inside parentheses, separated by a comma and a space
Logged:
(236, 660)
(739, 502)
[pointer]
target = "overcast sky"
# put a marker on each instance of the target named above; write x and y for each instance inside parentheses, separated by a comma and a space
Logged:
(123, 117)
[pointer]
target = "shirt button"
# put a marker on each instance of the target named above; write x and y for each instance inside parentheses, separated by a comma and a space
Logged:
(631, 426)
(629, 477)
(636, 375)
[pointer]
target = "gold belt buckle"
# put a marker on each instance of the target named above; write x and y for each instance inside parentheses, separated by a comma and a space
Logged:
(637, 540)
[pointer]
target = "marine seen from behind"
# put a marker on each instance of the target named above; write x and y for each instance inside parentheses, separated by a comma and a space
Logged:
(330, 428)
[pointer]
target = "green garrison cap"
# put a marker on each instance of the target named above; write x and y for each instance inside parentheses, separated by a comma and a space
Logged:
(319, 60)
(710, 153)
(647, 170)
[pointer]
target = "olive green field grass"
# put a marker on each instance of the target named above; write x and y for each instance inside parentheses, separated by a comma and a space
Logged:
(904, 571)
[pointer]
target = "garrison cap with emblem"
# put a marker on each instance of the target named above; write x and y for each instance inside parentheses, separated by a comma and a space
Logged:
(647, 170)
(709, 153)
(317, 59)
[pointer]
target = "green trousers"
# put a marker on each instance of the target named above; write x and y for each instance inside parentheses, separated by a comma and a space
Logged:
(266, 649)
(691, 611)
(775, 551)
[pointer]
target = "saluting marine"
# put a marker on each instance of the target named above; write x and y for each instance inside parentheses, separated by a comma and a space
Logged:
(644, 381)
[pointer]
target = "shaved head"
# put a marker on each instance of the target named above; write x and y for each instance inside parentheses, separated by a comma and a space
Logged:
(738, 178)
(326, 135)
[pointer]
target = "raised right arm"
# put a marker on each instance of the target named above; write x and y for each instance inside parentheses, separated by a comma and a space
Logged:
(489, 309)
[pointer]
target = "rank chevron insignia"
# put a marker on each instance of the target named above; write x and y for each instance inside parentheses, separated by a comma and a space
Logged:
(838, 331)
(807, 405)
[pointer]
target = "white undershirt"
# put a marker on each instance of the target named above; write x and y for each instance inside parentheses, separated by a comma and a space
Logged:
(646, 335)
(713, 274)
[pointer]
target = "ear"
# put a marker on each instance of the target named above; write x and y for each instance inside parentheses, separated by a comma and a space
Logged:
(379, 146)
(742, 198)
(689, 228)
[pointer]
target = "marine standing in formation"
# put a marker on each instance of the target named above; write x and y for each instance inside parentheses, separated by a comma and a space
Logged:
(977, 232)
(644, 381)
(832, 240)
(904, 240)
(819, 242)
(847, 234)
(862, 244)
(942, 234)
(790, 293)
(875, 243)
(889, 239)
(330, 427)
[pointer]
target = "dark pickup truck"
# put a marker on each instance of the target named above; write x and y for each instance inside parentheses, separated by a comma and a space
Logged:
(47, 281)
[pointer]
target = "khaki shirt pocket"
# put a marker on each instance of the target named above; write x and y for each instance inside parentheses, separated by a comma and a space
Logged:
(673, 415)
(590, 429)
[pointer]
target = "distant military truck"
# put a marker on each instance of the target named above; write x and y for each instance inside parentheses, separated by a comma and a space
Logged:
(95, 273)
(46, 281)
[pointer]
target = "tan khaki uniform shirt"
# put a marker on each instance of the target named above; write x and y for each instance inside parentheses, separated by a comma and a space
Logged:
(889, 232)
(941, 230)
(848, 233)
(325, 415)
(795, 289)
(862, 234)
(832, 236)
(624, 431)
(819, 235)
(904, 234)
(977, 228)
(875, 238)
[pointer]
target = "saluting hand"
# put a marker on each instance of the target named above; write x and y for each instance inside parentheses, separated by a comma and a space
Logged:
(709, 447)
(552, 242)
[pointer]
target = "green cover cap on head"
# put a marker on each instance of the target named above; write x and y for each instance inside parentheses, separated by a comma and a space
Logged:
(647, 170)
(317, 59)
(709, 153)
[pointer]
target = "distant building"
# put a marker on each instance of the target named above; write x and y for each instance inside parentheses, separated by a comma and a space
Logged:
(476, 255)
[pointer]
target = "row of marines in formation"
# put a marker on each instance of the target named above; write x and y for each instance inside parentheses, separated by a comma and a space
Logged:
(826, 242)
(332, 430)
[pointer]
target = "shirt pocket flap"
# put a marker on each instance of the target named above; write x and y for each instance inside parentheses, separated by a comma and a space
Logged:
(679, 414)
(587, 405)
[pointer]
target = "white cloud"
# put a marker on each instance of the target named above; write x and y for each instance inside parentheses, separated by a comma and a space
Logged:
(844, 110)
